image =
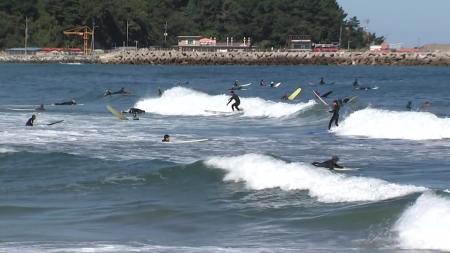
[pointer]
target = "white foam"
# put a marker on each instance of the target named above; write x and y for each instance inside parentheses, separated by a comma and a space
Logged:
(7, 150)
(376, 123)
(425, 224)
(182, 101)
(263, 172)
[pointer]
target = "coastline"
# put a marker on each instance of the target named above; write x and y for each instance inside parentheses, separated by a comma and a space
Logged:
(146, 57)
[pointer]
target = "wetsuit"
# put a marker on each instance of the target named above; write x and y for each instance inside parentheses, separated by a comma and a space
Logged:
(136, 110)
(235, 84)
(159, 92)
(321, 81)
(346, 100)
(237, 102)
(165, 140)
(335, 116)
(355, 83)
(408, 106)
(340, 102)
(66, 103)
(30, 122)
(262, 83)
(284, 97)
(330, 164)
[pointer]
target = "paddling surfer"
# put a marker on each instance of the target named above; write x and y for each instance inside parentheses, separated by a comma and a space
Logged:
(330, 164)
(321, 81)
(236, 99)
(262, 83)
(134, 110)
(335, 116)
(166, 138)
(71, 102)
(30, 121)
(40, 108)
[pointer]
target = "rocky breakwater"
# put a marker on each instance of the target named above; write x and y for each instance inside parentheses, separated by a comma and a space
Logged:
(276, 58)
(48, 59)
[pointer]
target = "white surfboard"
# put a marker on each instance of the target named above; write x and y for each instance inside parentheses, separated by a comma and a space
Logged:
(184, 141)
(325, 103)
(223, 112)
(346, 169)
(353, 99)
(244, 85)
(19, 109)
(277, 85)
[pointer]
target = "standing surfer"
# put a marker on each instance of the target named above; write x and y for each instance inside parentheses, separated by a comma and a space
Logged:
(408, 106)
(236, 99)
(159, 92)
(335, 116)
(30, 122)
(71, 102)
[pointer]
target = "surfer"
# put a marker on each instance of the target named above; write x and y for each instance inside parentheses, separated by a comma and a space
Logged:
(285, 96)
(71, 102)
(346, 99)
(408, 106)
(355, 83)
(40, 108)
(321, 81)
(135, 116)
(330, 164)
(159, 92)
(235, 84)
(340, 102)
(426, 105)
(121, 91)
(317, 92)
(236, 99)
(262, 83)
(30, 122)
(166, 138)
(134, 110)
(335, 116)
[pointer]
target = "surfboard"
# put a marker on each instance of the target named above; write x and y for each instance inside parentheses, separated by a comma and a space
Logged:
(223, 112)
(277, 85)
(19, 109)
(346, 169)
(295, 94)
(185, 141)
(326, 94)
(325, 103)
(60, 105)
(319, 131)
(244, 85)
(116, 113)
(56, 122)
(353, 99)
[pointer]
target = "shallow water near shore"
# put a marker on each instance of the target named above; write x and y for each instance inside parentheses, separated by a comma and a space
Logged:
(94, 183)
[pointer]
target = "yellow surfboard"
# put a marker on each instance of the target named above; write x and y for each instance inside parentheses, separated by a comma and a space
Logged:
(325, 103)
(116, 113)
(295, 94)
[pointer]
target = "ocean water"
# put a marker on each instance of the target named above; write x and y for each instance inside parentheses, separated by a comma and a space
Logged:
(94, 183)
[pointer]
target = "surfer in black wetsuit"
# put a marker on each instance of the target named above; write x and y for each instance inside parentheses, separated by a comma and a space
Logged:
(335, 116)
(330, 164)
(71, 102)
(346, 99)
(121, 91)
(40, 108)
(262, 83)
(317, 92)
(134, 110)
(235, 84)
(166, 138)
(236, 99)
(408, 106)
(355, 83)
(321, 81)
(30, 122)
(285, 96)
(159, 92)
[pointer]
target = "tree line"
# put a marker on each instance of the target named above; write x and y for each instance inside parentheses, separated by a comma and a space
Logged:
(266, 22)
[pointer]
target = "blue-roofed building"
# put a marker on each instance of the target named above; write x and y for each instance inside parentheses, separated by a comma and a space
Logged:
(21, 50)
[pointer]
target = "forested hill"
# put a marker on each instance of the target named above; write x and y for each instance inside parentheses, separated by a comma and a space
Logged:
(266, 22)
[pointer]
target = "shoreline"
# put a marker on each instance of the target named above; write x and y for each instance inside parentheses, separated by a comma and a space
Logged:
(194, 58)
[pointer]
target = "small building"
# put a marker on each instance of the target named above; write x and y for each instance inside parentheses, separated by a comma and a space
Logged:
(299, 42)
(198, 43)
(23, 50)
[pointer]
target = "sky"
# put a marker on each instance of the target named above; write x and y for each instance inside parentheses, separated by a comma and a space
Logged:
(411, 22)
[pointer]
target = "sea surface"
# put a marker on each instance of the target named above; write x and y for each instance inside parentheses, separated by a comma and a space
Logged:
(95, 183)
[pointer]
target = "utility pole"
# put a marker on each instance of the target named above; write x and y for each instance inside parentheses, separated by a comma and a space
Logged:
(93, 36)
(127, 33)
(165, 33)
(340, 37)
(26, 33)
(348, 45)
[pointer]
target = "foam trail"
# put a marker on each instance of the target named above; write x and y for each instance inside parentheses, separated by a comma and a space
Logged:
(182, 101)
(263, 172)
(425, 224)
(376, 123)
